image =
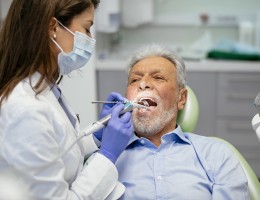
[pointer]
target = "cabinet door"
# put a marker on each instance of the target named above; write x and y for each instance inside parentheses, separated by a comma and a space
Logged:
(236, 93)
(235, 110)
(204, 87)
(238, 131)
(110, 81)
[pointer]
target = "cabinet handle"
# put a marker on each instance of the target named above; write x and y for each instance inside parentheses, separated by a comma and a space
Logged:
(242, 79)
(239, 126)
(240, 96)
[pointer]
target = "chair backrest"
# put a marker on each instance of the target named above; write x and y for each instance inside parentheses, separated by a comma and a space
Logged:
(188, 118)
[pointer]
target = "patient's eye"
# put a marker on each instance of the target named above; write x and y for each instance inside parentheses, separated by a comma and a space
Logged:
(133, 80)
(157, 77)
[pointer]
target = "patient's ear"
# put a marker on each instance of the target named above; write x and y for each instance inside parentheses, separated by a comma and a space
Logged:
(182, 98)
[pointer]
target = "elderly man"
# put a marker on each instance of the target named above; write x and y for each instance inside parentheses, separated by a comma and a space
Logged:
(161, 161)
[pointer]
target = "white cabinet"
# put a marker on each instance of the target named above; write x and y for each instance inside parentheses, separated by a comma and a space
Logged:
(234, 112)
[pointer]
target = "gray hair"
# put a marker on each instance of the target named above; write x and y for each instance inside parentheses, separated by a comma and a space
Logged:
(157, 50)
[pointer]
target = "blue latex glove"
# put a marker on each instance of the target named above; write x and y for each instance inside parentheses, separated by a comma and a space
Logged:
(116, 134)
(107, 109)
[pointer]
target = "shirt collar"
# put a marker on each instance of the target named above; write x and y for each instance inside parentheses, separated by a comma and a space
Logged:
(56, 91)
(171, 136)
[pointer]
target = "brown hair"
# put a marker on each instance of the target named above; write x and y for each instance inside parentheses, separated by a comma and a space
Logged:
(25, 41)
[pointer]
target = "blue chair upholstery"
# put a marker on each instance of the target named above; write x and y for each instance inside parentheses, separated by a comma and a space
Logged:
(188, 118)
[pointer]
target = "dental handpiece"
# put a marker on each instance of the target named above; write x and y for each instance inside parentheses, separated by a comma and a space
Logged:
(97, 125)
(129, 106)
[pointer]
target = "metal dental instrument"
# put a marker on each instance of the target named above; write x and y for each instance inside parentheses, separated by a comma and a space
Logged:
(129, 106)
(143, 104)
(112, 102)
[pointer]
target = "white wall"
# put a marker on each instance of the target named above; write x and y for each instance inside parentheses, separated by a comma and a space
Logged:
(4, 6)
(177, 23)
(183, 17)
(210, 6)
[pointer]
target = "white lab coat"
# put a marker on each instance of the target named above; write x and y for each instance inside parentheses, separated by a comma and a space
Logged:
(34, 130)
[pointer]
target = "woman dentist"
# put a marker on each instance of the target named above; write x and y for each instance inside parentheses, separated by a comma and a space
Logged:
(41, 40)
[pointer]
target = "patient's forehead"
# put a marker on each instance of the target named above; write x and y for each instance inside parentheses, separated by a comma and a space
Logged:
(155, 64)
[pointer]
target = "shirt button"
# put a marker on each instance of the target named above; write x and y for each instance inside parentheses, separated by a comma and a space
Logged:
(142, 141)
(159, 178)
(156, 154)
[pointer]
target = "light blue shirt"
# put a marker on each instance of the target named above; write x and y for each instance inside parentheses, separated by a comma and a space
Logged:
(185, 166)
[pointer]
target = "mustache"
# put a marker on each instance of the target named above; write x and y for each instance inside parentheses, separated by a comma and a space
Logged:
(147, 94)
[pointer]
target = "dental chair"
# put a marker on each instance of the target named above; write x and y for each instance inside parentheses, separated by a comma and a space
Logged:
(188, 118)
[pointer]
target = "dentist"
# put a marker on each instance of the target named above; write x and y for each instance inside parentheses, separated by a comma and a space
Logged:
(41, 40)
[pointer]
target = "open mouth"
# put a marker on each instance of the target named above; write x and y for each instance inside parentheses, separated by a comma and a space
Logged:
(148, 102)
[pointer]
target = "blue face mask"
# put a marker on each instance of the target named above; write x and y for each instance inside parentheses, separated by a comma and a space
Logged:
(79, 56)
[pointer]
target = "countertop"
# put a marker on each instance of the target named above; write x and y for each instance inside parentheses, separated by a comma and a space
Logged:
(200, 65)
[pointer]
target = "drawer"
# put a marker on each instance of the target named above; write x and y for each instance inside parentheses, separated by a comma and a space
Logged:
(236, 93)
(239, 132)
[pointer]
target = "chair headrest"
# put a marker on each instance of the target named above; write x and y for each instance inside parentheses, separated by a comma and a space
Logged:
(188, 117)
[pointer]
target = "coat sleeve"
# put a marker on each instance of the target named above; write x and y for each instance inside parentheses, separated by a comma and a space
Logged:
(30, 147)
(89, 145)
(105, 185)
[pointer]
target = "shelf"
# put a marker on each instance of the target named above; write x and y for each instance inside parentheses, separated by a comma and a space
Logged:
(202, 19)
(202, 65)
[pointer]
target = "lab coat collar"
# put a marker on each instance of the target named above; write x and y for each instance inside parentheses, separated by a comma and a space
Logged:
(49, 95)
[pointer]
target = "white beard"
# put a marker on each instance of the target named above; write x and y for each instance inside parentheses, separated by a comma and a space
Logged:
(151, 125)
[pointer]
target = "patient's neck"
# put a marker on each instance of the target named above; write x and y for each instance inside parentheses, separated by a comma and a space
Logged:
(156, 138)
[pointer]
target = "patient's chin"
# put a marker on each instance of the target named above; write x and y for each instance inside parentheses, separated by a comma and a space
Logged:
(146, 124)
(151, 123)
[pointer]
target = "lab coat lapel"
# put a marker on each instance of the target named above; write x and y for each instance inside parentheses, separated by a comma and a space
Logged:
(71, 112)
(48, 94)
(51, 98)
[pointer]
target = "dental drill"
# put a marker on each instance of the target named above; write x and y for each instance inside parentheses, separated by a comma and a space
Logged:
(99, 124)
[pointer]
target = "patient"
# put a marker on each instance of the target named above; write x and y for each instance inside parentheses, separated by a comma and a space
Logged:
(161, 161)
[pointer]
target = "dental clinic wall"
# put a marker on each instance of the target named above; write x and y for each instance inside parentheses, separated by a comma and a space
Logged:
(79, 87)
(178, 23)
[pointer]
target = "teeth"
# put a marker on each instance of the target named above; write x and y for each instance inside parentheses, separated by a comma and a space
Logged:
(144, 99)
(144, 103)
(148, 101)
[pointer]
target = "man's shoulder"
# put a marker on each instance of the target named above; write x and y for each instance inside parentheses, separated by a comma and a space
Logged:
(208, 146)
(206, 140)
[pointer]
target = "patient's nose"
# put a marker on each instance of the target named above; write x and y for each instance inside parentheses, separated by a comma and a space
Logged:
(145, 83)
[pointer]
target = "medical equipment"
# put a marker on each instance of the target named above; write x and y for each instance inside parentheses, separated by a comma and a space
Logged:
(256, 118)
(99, 124)
(109, 102)
(136, 104)
(129, 106)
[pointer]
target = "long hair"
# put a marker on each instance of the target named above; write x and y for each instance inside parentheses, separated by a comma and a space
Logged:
(25, 42)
